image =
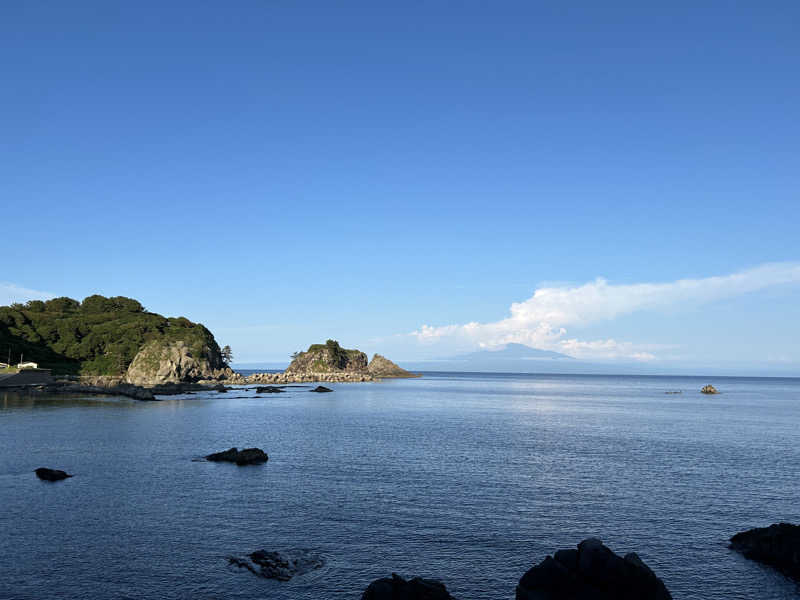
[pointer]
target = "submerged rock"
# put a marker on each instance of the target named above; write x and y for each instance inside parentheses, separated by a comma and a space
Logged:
(592, 572)
(321, 389)
(282, 565)
(51, 474)
(248, 456)
(777, 545)
(397, 588)
(709, 389)
(269, 389)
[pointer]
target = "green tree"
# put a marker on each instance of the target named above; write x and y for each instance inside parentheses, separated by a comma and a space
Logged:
(227, 355)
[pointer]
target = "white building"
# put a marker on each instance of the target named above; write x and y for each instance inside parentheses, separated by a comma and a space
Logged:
(28, 365)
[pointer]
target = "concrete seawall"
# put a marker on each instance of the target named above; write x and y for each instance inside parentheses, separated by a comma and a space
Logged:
(26, 377)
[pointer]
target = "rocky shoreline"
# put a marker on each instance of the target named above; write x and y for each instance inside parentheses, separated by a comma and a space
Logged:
(295, 377)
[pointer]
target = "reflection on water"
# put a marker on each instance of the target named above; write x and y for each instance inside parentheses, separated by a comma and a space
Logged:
(467, 478)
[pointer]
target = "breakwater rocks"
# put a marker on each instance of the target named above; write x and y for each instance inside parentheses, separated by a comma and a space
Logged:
(777, 545)
(299, 377)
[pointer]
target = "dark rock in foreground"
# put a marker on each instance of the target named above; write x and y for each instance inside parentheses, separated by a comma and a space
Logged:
(269, 389)
(321, 389)
(248, 456)
(281, 565)
(777, 545)
(592, 572)
(397, 588)
(51, 474)
(709, 389)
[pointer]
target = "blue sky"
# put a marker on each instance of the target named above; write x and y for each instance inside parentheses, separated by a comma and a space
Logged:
(285, 172)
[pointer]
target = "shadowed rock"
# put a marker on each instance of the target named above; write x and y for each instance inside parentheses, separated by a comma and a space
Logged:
(51, 474)
(248, 456)
(269, 389)
(777, 545)
(592, 572)
(397, 588)
(321, 389)
(281, 565)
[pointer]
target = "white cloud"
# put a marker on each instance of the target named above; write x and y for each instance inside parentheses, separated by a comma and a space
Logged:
(541, 320)
(10, 293)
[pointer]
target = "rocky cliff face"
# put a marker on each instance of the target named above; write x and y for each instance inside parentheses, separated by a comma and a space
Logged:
(328, 358)
(380, 366)
(162, 361)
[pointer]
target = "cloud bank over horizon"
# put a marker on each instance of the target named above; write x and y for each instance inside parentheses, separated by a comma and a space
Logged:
(541, 321)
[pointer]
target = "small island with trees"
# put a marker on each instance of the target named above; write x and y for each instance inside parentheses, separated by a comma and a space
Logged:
(112, 341)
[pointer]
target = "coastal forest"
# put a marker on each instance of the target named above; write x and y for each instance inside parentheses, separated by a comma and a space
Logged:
(99, 336)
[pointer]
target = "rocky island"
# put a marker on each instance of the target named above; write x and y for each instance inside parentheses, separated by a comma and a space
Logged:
(113, 345)
(328, 362)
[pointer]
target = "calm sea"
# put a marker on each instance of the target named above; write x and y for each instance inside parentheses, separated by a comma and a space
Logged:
(463, 477)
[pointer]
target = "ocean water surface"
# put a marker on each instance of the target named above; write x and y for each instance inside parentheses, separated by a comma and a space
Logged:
(467, 478)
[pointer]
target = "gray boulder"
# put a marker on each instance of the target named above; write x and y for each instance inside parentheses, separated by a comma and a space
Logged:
(397, 588)
(248, 456)
(777, 545)
(591, 572)
(46, 474)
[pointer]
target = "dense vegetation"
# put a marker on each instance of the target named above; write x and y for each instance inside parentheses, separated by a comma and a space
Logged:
(99, 336)
(329, 356)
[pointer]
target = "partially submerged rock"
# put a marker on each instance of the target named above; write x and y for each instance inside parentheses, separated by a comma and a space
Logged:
(321, 389)
(282, 565)
(248, 456)
(777, 545)
(397, 588)
(46, 474)
(592, 572)
(709, 389)
(269, 389)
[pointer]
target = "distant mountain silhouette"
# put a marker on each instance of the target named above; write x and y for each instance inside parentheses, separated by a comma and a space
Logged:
(512, 352)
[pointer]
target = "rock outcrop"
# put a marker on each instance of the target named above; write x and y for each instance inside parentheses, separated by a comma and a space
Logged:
(161, 361)
(382, 367)
(51, 474)
(281, 565)
(329, 357)
(592, 572)
(321, 389)
(777, 545)
(397, 588)
(709, 389)
(248, 456)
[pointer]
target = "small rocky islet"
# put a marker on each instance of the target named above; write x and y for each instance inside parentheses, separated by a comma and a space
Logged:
(248, 456)
(46, 474)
